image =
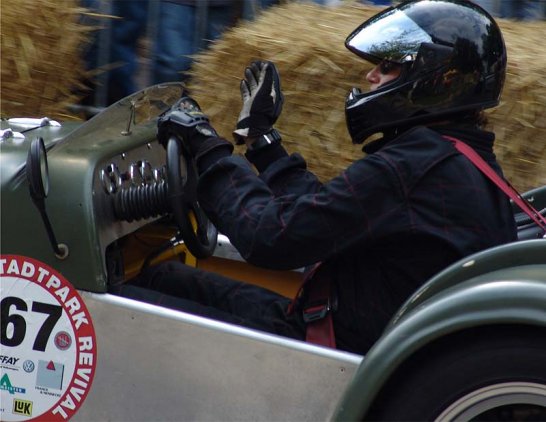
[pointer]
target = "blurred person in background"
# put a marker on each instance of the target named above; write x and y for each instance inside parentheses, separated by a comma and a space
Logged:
(93, 55)
(515, 9)
(377, 2)
(127, 31)
(112, 56)
(187, 26)
(371, 236)
(176, 30)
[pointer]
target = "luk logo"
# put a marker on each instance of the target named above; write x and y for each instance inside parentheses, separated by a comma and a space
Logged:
(5, 384)
(22, 407)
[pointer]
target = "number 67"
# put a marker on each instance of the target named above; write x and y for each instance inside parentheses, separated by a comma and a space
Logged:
(19, 324)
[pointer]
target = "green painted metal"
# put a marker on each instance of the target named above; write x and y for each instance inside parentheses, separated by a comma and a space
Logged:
(510, 295)
(498, 258)
(81, 214)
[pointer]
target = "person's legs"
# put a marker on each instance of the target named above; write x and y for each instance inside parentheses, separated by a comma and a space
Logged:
(94, 54)
(489, 5)
(378, 2)
(211, 295)
(174, 42)
(219, 19)
(126, 32)
(531, 10)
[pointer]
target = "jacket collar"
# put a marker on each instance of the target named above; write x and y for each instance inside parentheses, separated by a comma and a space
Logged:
(480, 140)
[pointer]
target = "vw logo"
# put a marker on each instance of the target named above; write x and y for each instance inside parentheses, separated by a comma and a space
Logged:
(28, 366)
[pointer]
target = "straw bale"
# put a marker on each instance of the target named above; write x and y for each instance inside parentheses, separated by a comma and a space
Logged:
(41, 65)
(520, 119)
(41, 71)
(306, 42)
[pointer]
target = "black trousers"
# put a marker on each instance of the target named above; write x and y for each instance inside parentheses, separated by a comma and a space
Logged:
(178, 286)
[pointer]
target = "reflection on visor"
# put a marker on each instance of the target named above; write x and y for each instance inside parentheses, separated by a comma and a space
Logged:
(391, 36)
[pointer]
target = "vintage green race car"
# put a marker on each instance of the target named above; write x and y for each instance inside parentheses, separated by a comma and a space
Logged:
(85, 205)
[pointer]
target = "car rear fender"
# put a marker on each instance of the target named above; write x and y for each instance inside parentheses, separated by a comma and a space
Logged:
(510, 296)
(528, 252)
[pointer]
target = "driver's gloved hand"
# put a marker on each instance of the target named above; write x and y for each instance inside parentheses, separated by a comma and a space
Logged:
(187, 122)
(262, 101)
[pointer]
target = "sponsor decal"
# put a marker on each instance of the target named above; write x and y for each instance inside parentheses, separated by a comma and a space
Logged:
(10, 363)
(45, 329)
(6, 385)
(63, 340)
(50, 374)
(8, 360)
(28, 366)
(22, 407)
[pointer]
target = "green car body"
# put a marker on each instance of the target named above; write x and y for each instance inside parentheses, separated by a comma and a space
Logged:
(496, 293)
(496, 289)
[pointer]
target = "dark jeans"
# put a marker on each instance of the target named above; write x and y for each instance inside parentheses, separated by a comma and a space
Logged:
(126, 33)
(177, 39)
(178, 286)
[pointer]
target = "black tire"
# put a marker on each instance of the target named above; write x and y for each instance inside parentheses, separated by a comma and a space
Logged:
(488, 374)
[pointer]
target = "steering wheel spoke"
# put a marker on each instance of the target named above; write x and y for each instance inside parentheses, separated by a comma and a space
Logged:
(201, 237)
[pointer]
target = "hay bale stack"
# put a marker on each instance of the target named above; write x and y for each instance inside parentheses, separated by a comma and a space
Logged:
(306, 43)
(41, 72)
(520, 119)
(41, 64)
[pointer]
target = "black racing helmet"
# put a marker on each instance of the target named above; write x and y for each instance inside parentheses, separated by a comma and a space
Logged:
(453, 60)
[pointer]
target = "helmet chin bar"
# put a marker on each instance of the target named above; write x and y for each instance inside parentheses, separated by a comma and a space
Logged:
(365, 111)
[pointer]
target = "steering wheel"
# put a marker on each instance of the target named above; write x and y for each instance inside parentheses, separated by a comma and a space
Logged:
(182, 193)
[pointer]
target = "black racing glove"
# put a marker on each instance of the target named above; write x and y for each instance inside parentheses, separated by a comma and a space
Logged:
(187, 122)
(262, 101)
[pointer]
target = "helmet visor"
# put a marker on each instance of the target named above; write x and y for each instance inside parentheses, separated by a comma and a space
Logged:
(390, 35)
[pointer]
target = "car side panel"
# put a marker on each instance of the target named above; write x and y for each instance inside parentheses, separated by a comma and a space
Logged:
(158, 364)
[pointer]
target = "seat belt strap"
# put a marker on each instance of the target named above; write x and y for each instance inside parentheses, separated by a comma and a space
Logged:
(317, 314)
(308, 276)
(502, 184)
(316, 311)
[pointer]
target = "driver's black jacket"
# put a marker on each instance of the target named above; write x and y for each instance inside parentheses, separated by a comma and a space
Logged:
(381, 228)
